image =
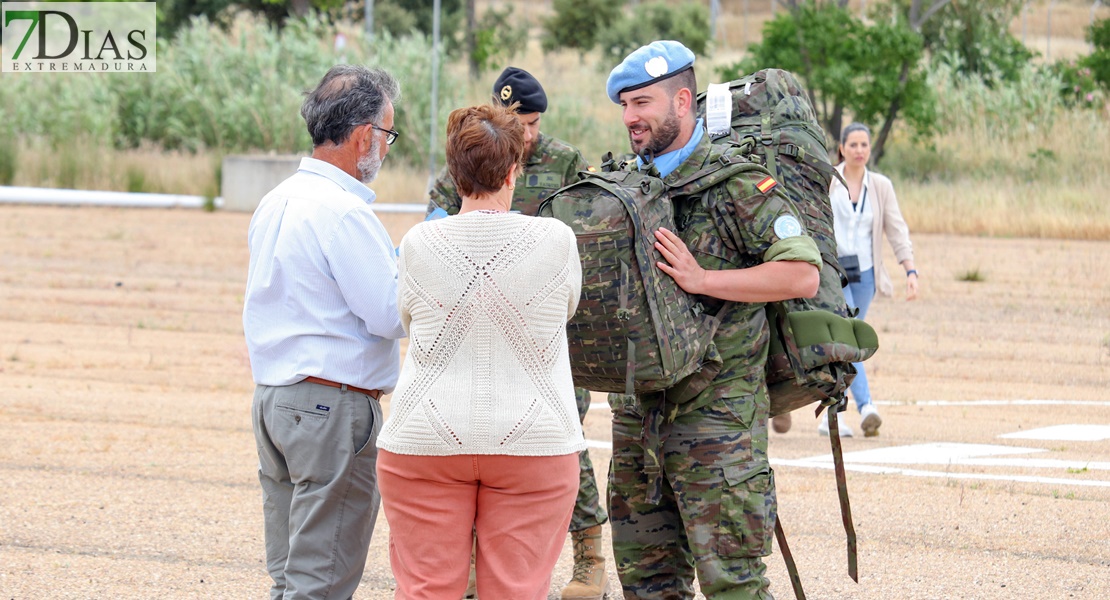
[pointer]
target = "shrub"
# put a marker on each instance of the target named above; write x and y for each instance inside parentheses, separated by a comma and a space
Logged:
(229, 92)
(576, 24)
(1098, 34)
(496, 39)
(975, 32)
(685, 22)
(1006, 108)
(1078, 85)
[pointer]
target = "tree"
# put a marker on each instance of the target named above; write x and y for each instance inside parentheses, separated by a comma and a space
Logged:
(175, 14)
(1098, 34)
(496, 39)
(975, 32)
(874, 71)
(687, 22)
(577, 23)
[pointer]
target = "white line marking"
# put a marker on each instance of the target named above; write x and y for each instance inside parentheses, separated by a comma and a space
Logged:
(937, 453)
(941, 474)
(1096, 403)
(996, 403)
(967, 455)
(1064, 433)
(599, 444)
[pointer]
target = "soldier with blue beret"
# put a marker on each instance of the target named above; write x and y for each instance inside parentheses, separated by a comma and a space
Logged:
(648, 65)
(549, 164)
(691, 490)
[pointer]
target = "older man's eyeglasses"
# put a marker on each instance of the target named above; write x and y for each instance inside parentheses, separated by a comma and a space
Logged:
(390, 135)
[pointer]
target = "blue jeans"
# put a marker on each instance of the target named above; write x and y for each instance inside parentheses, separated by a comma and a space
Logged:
(859, 295)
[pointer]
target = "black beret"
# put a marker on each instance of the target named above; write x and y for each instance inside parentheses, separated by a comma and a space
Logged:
(518, 85)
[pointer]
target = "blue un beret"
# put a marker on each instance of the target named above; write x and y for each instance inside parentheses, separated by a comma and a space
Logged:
(518, 85)
(650, 64)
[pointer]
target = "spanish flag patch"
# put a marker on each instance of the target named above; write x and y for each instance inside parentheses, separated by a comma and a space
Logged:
(767, 184)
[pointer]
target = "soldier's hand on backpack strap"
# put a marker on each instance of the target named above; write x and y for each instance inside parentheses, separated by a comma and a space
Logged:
(680, 263)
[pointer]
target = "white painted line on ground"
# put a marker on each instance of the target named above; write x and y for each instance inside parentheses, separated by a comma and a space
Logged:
(1064, 433)
(399, 207)
(964, 455)
(599, 444)
(938, 453)
(941, 474)
(996, 403)
(65, 197)
(605, 405)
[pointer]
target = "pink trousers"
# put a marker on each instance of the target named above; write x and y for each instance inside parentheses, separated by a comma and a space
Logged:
(519, 506)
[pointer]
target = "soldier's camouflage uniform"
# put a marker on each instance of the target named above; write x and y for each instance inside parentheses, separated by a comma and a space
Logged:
(709, 504)
(552, 165)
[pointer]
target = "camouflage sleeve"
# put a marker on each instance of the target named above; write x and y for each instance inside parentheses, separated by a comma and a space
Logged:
(800, 248)
(444, 195)
(574, 165)
(765, 223)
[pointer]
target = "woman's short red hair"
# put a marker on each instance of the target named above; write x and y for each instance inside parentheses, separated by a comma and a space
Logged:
(483, 142)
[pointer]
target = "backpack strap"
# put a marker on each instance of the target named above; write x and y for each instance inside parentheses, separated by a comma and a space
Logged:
(842, 491)
(788, 558)
(799, 154)
(729, 163)
(845, 515)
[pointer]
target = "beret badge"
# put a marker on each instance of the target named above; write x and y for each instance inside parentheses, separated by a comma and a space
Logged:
(656, 67)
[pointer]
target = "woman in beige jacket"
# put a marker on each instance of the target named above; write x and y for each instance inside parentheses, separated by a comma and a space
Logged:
(863, 212)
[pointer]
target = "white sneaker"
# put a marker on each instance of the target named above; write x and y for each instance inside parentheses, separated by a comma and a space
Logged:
(823, 426)
(870, 420)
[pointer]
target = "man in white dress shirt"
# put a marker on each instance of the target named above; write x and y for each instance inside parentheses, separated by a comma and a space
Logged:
(322, 328)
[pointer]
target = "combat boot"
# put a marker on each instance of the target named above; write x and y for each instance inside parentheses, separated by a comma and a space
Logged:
(590, 580)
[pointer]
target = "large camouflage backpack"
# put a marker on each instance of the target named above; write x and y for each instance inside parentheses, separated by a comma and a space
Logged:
(768, 114)
(635, 330)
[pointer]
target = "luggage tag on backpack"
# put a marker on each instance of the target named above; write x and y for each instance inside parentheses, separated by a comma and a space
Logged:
(718, 109)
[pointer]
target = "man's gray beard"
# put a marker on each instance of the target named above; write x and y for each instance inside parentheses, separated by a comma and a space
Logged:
(370, 163)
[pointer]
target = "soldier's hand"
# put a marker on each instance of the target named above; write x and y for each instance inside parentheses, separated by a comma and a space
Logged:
(680, 264)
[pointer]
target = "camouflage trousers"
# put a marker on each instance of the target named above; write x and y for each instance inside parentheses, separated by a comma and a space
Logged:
(588, 511)
(693, 495)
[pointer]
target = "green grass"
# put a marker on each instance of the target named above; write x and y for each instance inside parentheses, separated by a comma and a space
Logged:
(972, 275)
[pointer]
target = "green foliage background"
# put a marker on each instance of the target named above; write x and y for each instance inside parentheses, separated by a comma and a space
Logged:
(576, 24)
(687, 22)
(847, 65)
(222, 91)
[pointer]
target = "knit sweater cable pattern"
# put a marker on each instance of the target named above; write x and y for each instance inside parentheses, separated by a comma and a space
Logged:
(485, 299)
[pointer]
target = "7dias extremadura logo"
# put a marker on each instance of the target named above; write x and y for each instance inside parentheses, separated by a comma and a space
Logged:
(79, 37)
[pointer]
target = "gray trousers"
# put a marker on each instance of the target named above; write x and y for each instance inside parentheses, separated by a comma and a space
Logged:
(316, 463)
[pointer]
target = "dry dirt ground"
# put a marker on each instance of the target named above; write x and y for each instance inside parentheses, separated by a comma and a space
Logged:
(129, 464)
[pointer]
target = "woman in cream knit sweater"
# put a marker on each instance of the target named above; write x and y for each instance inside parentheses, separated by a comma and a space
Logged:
(483, 432)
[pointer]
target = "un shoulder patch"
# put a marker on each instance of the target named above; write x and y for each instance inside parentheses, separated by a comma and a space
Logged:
(787, 226)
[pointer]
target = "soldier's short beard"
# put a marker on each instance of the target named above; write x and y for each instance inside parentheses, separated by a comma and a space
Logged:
(662, 137)
(370, 164)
